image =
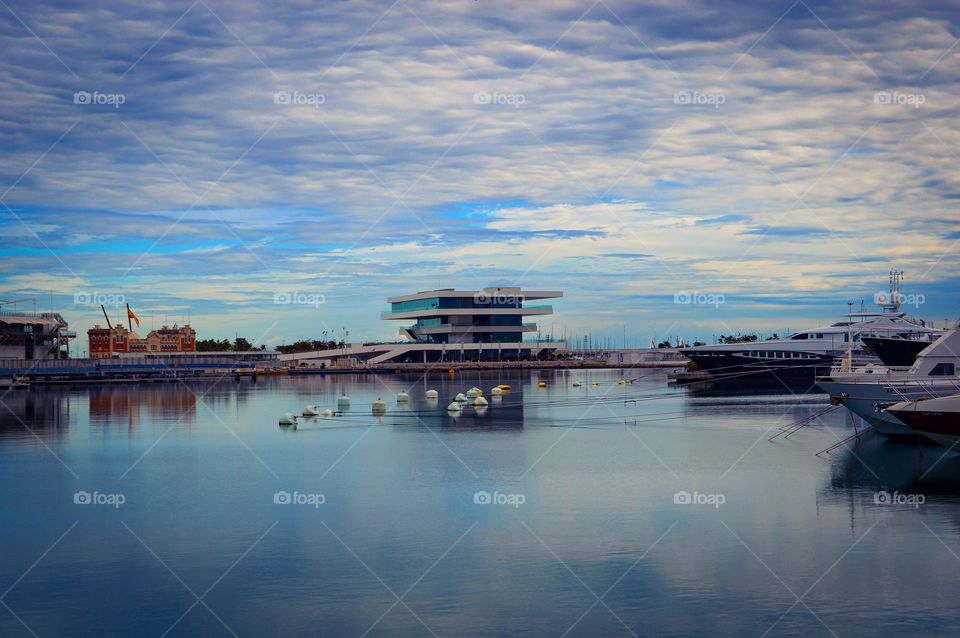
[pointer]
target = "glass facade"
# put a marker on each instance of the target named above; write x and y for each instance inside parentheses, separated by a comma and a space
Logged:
(413, 305)
(462, 324)
(477, 301)
(503, 320)
(500, 337)
(472, 337)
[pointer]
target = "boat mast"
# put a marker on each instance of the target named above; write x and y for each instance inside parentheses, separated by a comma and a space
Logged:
(894, 299)
(849, 365)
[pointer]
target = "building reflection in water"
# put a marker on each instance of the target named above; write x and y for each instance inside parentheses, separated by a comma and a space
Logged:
(503, 413)
(128, 404)
(38, 411)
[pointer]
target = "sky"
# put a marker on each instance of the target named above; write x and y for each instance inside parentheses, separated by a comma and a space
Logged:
(277, 170)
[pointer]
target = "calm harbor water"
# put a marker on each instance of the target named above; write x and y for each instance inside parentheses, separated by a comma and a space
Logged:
(207, 519)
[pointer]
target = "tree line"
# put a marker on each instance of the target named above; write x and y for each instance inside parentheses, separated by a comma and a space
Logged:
(240, 344)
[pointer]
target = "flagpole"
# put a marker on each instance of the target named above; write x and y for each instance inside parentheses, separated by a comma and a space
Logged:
(129, 321)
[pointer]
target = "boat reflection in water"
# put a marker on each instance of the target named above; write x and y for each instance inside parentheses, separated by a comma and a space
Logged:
(871, 469)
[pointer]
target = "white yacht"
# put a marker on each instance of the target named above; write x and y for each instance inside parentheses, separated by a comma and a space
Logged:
(868, 391)
(807, 353)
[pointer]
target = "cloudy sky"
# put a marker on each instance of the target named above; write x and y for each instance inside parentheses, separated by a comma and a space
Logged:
(209, 158)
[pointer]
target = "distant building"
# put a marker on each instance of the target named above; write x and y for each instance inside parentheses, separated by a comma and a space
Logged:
(473, 324)
(452, 325)
(118, 341)
(34, 336)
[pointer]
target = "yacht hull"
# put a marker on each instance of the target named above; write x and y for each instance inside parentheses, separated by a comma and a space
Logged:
(868, 400)
(896, 352)
(936, 419)
(743, 364)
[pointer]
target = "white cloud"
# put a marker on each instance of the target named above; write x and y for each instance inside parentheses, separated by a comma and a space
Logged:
(308, 196)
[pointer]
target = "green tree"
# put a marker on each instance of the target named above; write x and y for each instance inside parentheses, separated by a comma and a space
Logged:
(212, 345)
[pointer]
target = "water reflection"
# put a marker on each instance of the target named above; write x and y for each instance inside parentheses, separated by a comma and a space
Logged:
(770, 386)
(876, 464)
(111, 404)
(400, 492)
(504, 412)
(44, 412)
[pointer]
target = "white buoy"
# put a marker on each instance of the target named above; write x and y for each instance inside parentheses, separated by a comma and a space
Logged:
(495, 392)
(454, 407)
(379, 406)
(288, 419)
(328, 413)
(403, 397)
(576, 384)
(432, 394)
(480, 402)
(311, 410)
(343, 403)
(460, 398)
(474, 392)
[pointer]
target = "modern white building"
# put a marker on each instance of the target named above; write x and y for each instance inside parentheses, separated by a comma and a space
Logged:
(492, 324)
(487, 324)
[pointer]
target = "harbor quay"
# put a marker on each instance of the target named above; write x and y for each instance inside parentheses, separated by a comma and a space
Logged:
(445, 329)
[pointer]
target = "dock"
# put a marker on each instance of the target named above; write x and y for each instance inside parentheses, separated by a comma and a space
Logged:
(128, 370)
(689, 376)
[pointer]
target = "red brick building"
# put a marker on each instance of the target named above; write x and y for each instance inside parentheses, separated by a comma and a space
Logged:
(107, 342)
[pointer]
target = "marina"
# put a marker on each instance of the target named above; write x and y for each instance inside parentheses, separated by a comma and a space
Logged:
(201, 468)
(535, 319)
(808, 354)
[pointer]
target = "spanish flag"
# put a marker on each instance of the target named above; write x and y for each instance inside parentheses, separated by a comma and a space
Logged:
(130, 315)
